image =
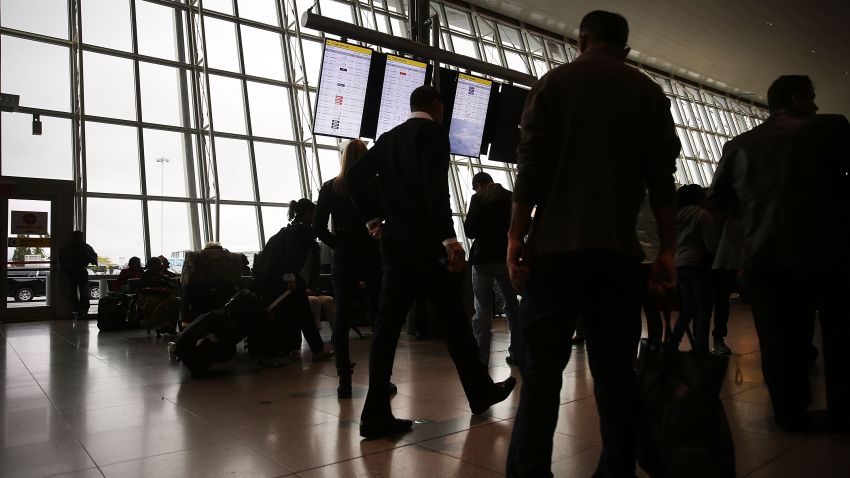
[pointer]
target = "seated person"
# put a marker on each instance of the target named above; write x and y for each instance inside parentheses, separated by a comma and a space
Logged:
(209, 279)
(132, 271)
(166, 268)
(157, 299)
(319, 302)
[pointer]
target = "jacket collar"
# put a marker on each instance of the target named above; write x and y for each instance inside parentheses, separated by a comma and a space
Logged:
(420, 115)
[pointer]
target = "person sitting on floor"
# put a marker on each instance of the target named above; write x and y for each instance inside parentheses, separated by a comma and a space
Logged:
(157, 301)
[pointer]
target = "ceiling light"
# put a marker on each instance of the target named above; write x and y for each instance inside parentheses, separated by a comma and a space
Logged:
(770, 24)
(811, 51)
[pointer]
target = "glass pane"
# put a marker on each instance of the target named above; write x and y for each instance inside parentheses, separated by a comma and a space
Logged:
(329, 162)
(486, 29)
(516, 61)
(491, 54)
(340, 11)
(556, 51)
(535, 44)
(107, 23)
(227, 107)
(169, 227)
(221, 44)
(399, 27)
(270, 111)
(540, 66)
(277, 172)
(510, 36)
(263, 11)
(313, 58)
(239, 228)
(48, 156)
(274, 219)
(160, 94)
(37, 72)
(109, 86)
(47, 17)
(262, 52)
(223, 6)
(114, 228)
(381, 19)
(165, 163)
(234, 169)
(155, 27)
(464, 46)
(458, 20)
(112, 158)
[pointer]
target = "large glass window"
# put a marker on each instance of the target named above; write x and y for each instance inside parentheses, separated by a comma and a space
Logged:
(45, 17)
(277, 172)
(239, 231)
(37, 72)
(160, 87)
(109, 86)
(156, 30)
(264, 11)
(169, 227)
(165, 163)
(222, 51)
(270, 111)
(234, 169)
(46, 156)
(262, 53)
(112, 158)
(114, 228)
(107, 23)
(227, 106)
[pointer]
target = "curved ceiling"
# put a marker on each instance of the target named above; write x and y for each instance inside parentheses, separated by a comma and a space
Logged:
(739, 46)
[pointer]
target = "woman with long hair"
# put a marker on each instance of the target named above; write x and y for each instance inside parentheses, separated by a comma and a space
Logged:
(356, 259)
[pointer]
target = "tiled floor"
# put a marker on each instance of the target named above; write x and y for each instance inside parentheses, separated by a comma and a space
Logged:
(77, 403)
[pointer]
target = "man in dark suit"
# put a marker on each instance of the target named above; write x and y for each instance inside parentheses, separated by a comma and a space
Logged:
(419, 249)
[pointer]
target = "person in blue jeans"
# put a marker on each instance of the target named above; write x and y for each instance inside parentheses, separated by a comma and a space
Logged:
(696, 243)
(487, 222)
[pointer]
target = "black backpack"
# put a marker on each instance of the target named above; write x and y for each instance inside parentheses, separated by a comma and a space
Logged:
(268, 264)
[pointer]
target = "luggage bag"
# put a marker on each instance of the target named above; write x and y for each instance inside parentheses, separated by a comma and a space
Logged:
(213, 336)
(112, 312)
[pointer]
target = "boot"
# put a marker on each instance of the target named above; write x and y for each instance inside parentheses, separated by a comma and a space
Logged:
(344, 388)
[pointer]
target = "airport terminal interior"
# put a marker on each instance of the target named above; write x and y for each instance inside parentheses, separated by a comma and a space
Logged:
(156, 126)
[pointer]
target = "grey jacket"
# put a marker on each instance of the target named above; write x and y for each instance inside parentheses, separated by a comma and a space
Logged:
(786, 188)
(696, 237)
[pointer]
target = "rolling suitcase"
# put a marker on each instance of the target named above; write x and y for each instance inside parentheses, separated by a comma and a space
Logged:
(213, 336)
(112, 312)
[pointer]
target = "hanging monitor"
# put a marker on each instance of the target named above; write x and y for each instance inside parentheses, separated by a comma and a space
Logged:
(468, 115)
(342, 90)
(401, 77)
(504, 131)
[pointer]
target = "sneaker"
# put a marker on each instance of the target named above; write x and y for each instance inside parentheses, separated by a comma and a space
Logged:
(721, 348)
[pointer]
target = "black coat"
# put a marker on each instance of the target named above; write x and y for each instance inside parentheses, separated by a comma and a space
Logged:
(488, 221)
(412, 165)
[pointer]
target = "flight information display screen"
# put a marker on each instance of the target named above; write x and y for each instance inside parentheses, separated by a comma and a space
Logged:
(401, 77)
(342, 90)
(469, 114)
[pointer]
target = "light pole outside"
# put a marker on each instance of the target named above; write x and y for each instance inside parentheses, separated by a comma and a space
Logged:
(162, 160)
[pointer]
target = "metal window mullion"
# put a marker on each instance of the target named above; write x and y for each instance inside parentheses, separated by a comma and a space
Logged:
(74, 87)
(140, 139)
(198, 103)
(83, 184)
(216, 203)
(303, 63)
(186, 121)
(252, 163)
(454, 181)
(294, 112)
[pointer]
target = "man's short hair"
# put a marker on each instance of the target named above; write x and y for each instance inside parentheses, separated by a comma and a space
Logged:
(605, 27)
(481, 178)
(781, 93)
(423, 97)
